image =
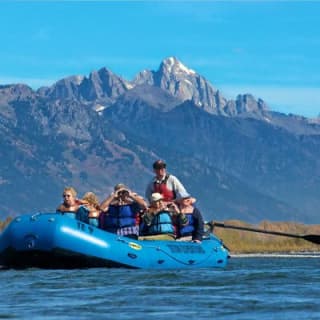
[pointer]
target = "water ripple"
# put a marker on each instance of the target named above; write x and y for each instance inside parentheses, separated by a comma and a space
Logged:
(249, 288)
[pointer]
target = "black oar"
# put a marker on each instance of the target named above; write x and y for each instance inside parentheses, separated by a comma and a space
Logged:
(309, 237)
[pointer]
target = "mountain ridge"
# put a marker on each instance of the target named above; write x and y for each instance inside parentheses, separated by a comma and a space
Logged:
(235, 156)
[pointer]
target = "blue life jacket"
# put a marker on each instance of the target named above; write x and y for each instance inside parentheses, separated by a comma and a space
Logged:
(82, 214)
(188, 229)
(94, 222)
(119, 217)
(160, 224)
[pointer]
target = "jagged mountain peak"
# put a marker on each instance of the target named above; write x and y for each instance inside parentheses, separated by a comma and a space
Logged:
(169, 66)
(14, 92)
(76, 79)
(100, 86)
(103, 72)
(246, 105)
(250, 104)
(65, 88)
(183, 84)
(16, 89)
(173, 65)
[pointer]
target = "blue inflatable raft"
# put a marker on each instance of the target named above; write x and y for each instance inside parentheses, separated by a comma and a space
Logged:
(51, 240)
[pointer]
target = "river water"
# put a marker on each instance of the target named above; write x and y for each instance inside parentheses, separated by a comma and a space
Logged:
(277, 287)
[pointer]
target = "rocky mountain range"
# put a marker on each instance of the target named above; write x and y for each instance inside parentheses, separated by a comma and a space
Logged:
(237, 157)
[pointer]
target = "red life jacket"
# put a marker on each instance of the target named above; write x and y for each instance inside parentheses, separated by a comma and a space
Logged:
(161, 187)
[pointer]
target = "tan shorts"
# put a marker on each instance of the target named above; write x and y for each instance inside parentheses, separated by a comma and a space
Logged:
(158, 237)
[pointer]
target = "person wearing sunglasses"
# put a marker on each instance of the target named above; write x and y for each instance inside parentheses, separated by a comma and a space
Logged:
(71, 206)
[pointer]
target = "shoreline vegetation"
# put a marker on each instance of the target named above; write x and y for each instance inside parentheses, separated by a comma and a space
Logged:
(246, 242)
(5, 222)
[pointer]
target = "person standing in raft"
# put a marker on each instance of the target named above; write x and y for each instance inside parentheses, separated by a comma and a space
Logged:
(72, 206)
(122, 212)
(194, 228)
(164, 183)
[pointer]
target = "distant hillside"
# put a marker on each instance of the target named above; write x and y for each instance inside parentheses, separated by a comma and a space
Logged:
(238, 158)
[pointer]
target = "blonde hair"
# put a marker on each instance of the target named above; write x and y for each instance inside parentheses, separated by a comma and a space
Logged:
(71, 190)
(91, 198)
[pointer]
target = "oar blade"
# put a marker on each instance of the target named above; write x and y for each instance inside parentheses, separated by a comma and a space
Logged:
(312, 238)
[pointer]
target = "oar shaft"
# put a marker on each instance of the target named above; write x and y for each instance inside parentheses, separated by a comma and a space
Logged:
(285, 234)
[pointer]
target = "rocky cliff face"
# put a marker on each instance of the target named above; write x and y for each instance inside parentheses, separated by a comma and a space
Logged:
(184, 84)
(100, 88)
(239, 159)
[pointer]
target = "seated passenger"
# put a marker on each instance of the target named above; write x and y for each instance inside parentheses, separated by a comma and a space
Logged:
(194, 228)
(122, 212)
(91, 203)
(161, 217)
(71, 206)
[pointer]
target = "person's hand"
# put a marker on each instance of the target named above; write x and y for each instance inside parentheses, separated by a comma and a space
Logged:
(81, 202)
(132, 194)
(172, 206)
(113, 195)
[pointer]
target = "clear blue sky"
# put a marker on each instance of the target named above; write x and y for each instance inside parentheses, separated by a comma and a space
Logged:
(268, 48)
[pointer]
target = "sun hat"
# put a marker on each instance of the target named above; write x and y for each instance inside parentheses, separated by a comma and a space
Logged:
(185, 195)
(156, 197)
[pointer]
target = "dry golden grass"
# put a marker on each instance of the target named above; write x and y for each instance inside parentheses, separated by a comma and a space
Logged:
(251, 242)
(4, 223)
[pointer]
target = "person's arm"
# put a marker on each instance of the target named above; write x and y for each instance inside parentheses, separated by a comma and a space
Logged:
(183, 220)
(176, 185)
(106, 202)
(149, 191)
(147, 217)
(138, 199)
(180, 217)
(172, 208)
